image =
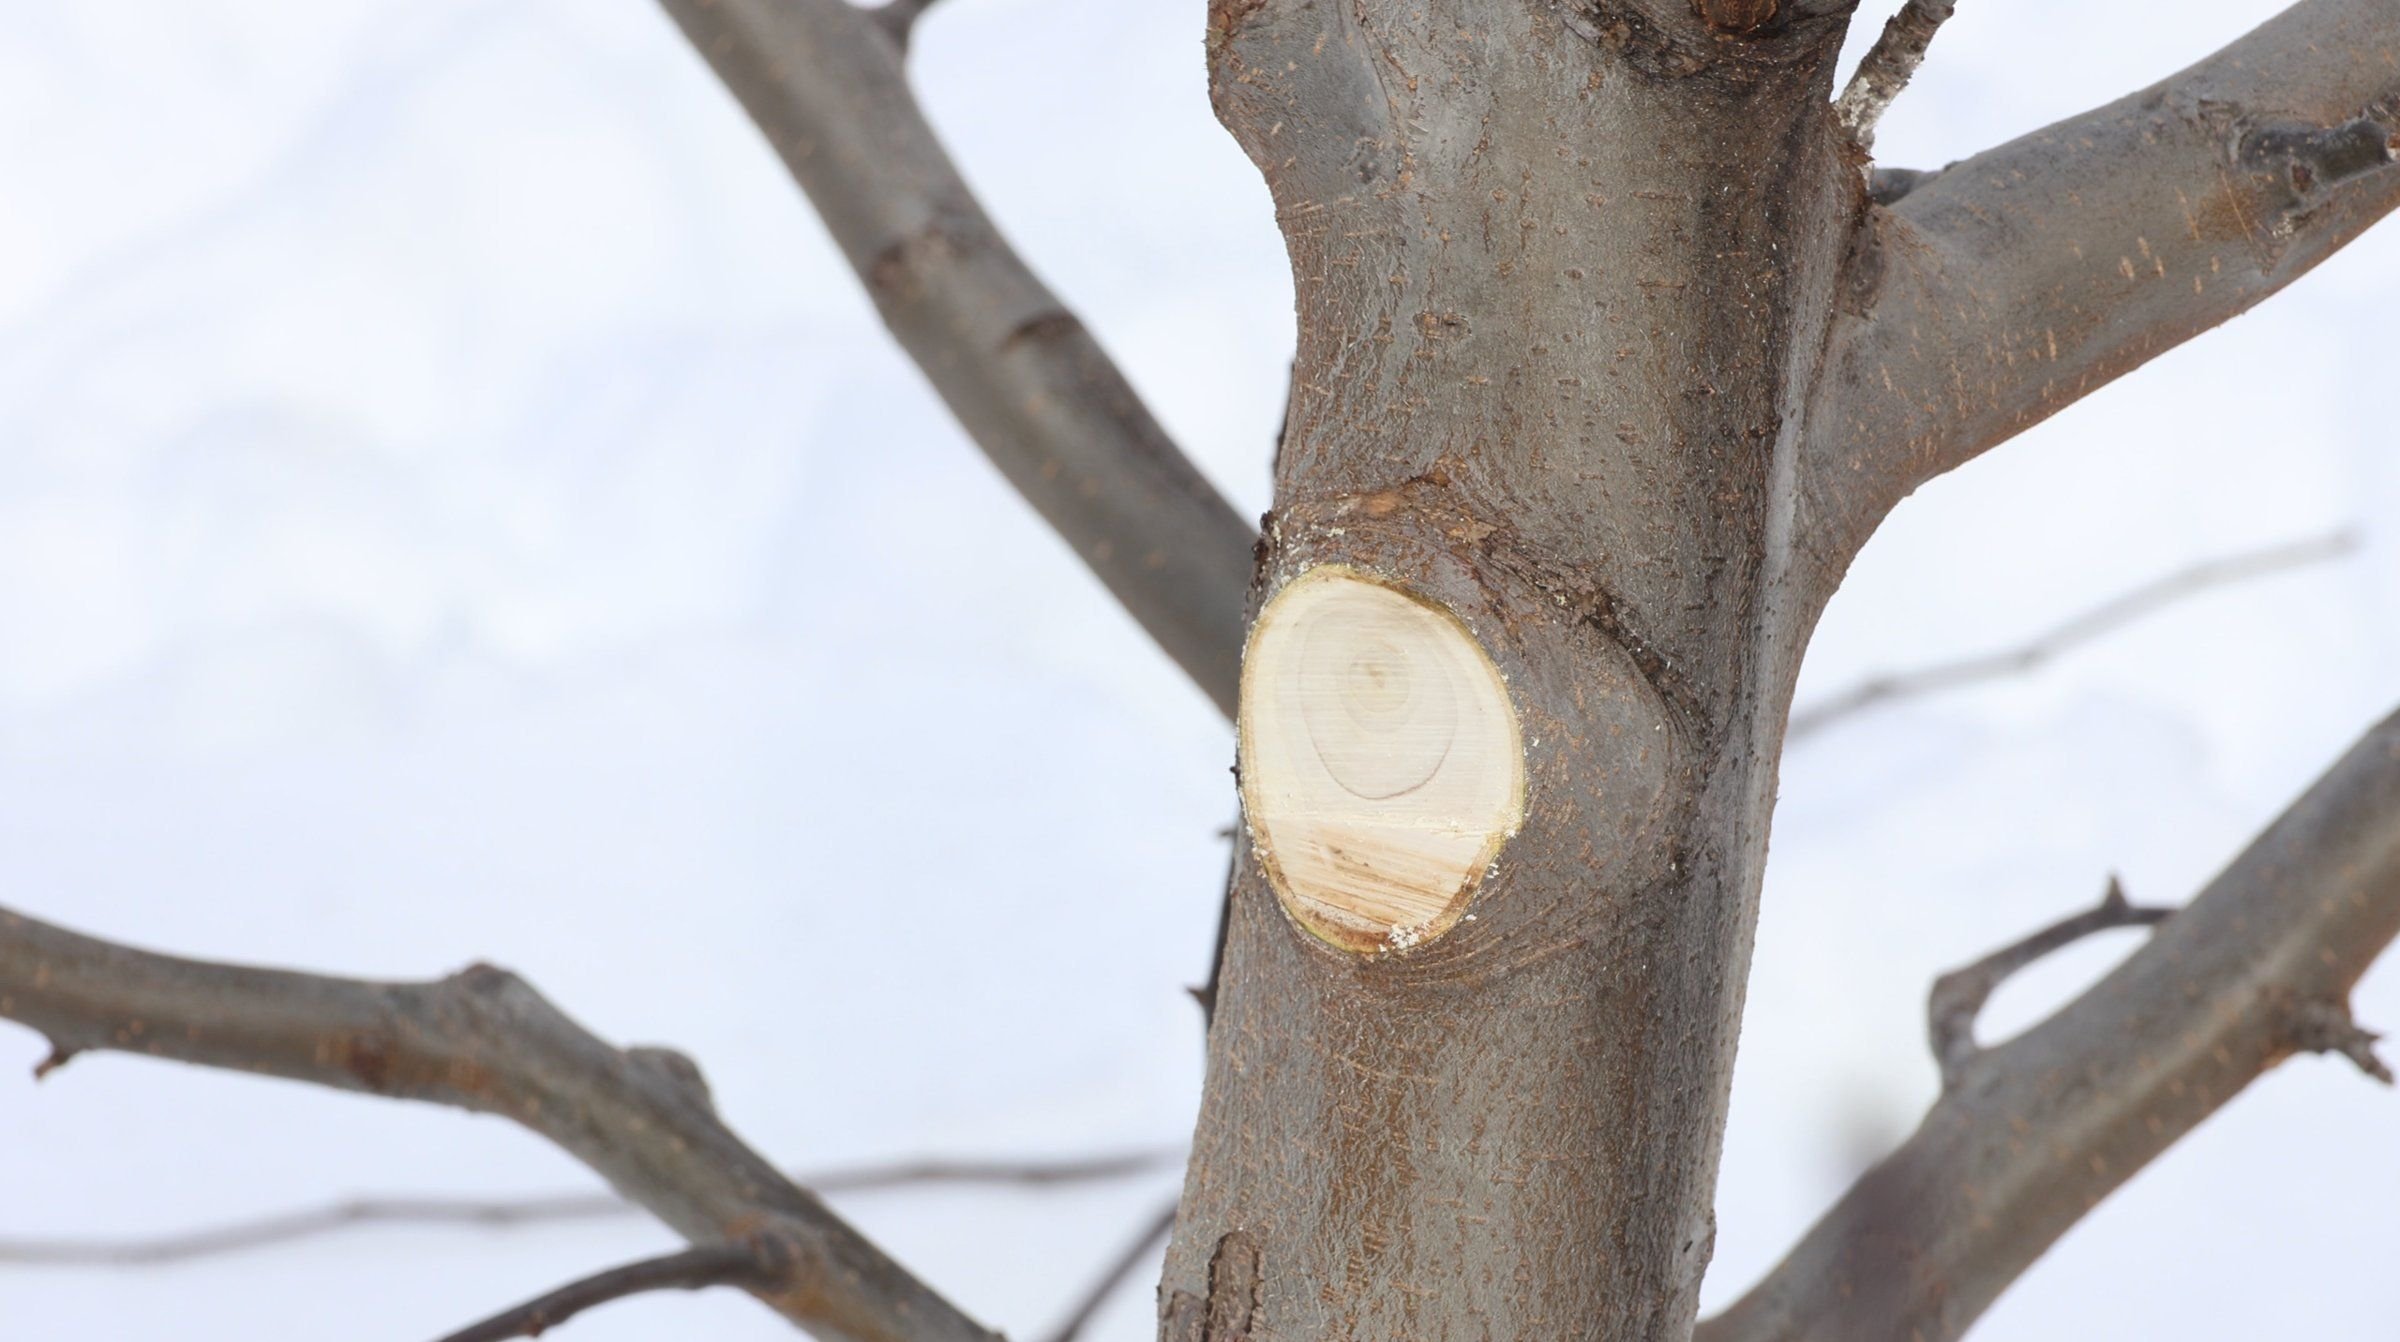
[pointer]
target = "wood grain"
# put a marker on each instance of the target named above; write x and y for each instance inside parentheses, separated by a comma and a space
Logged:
(1382, 766)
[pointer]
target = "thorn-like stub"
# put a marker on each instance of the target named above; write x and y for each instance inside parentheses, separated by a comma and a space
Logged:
(1382, 767)
(59, 1056)
(2328, 1027)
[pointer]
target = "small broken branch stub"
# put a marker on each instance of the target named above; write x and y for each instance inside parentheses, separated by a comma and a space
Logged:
(1381, 763)
(2327, 1027)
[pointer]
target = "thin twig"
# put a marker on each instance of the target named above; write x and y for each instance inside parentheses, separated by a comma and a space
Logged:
(1889, 64)
(1206, 993)
(1958, 996)
(1136, 1252)
(285, 1227)
(691, 1270)
(2105, 618)
(510, 1213)
(481, 1040)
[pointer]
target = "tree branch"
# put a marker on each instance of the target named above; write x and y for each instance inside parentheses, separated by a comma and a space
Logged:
(481, 1040)
(1888, 66)
(692, 1270)
(1137, 1251)
(2035, 1131)
(899, 19)
(1958, 996)
(508, 1213)
(2018, 281)
(823, 81)
(2097, 622)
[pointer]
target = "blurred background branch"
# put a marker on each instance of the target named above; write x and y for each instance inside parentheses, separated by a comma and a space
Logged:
(514, 1213)
(2075, 632)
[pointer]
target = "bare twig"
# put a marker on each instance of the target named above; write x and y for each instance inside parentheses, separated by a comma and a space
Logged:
(285, 1227)
(824, 83)
(1205, 993)
(1005, 1173)
(691, 1270)
(1129, 1260)
(509, 1213)
(899, 18)
(1958, 996)
(1889, 64)
(2044, 1126)
(2105, 618)
(481, 1040)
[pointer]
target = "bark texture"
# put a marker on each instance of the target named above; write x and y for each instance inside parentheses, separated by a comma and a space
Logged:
(1614, 348)
(1606, 349)
(1562, 274)
(2013, 284)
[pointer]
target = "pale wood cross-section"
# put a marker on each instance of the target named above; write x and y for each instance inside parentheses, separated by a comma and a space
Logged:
(1381, 762)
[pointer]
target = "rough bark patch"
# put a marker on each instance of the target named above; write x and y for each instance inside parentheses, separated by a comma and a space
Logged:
(1382, 765)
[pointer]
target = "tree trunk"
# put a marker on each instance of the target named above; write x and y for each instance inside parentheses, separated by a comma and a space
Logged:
(1564, 275)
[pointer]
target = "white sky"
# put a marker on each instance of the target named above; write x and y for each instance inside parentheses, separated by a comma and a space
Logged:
(454, 504)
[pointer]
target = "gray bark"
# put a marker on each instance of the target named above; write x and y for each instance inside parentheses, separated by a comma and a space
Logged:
(2017, 282)
(483, 1041)
(1604, 346)
(1614, 345)
(1563, 279)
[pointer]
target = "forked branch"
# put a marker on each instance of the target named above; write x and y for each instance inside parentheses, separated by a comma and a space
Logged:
(482, 1040)
(823, 81)
(1958, 997)
(2032, 1133)
(2022, 279)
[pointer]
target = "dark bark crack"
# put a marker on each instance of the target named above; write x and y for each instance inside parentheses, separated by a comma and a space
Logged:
(2305, 162)
(1229, 1313)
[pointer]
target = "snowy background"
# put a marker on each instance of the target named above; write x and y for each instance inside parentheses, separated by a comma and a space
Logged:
(454, 503)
